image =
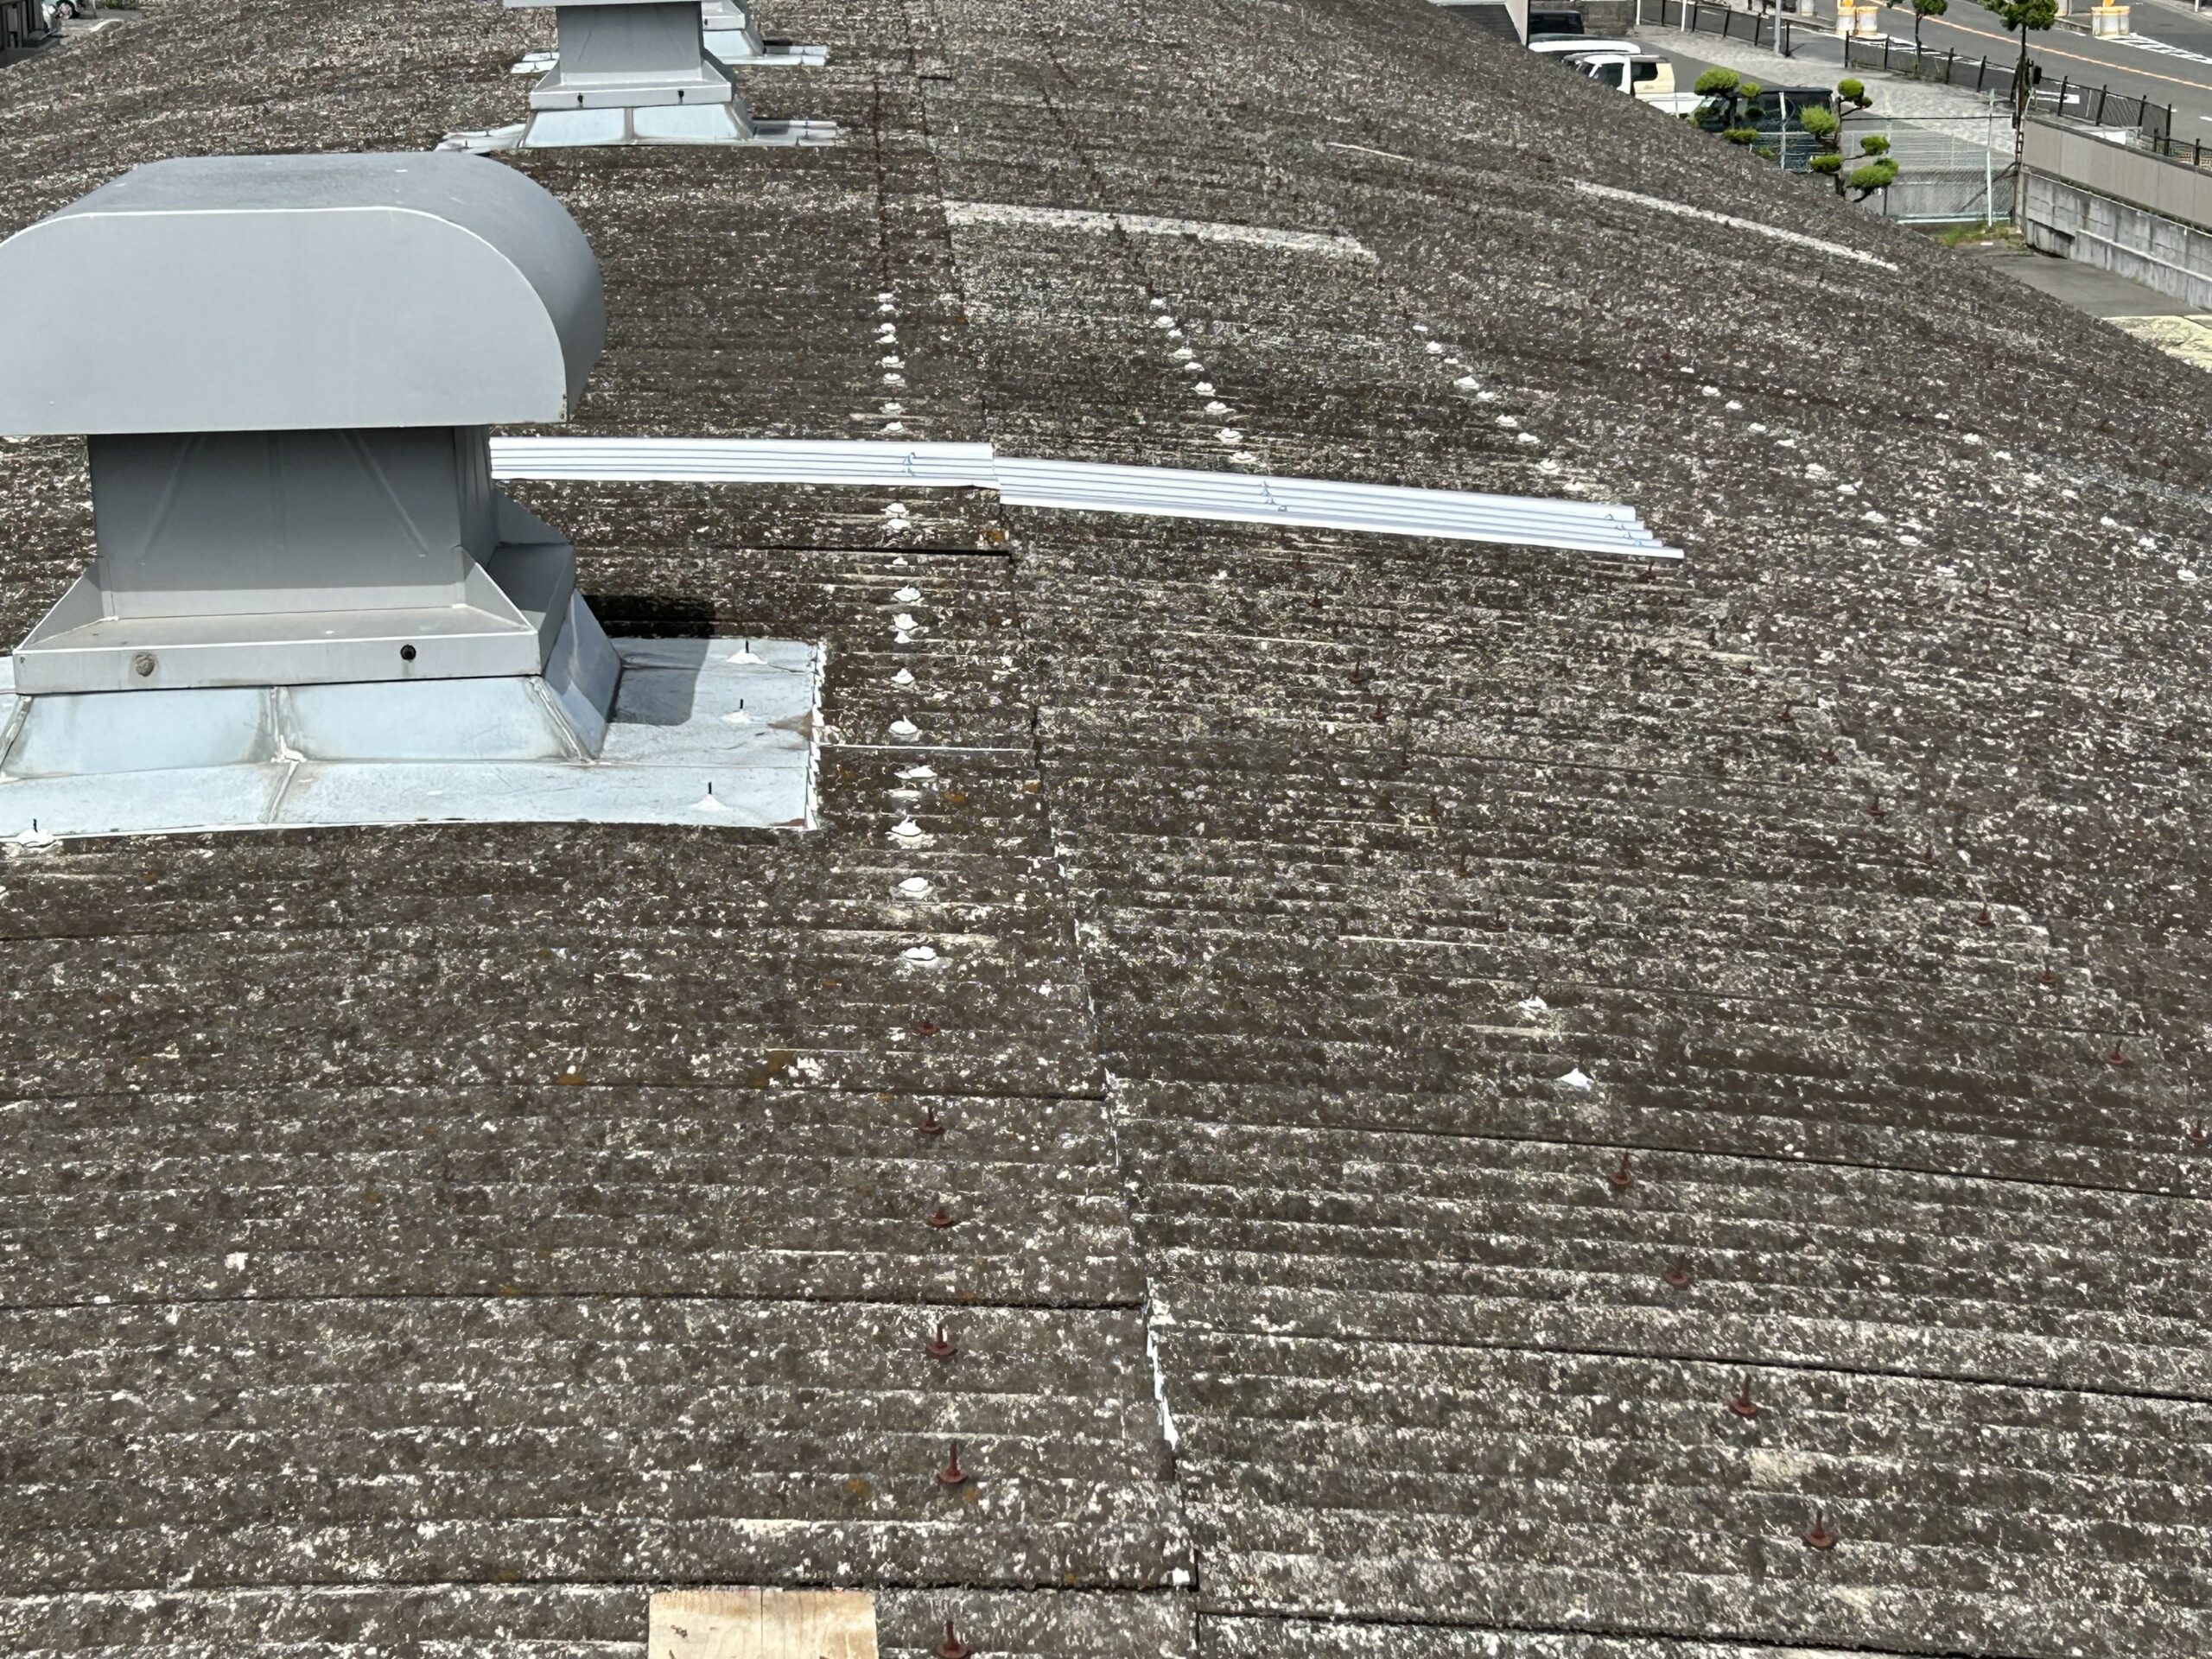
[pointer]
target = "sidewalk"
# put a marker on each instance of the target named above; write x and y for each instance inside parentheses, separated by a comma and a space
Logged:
(1959, 113)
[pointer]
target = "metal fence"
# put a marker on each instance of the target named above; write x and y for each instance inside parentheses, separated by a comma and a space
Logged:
(1951, 169)
(2097, 104)
(2193, 151)
(1755, 28)
(23, 25)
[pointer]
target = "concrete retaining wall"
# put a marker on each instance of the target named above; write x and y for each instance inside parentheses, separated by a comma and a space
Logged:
(2140, 216)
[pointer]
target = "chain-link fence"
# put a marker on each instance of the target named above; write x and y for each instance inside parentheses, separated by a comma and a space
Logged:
(1951, 169)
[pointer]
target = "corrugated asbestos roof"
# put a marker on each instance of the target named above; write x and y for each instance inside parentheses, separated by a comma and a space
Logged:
(1447, 1022)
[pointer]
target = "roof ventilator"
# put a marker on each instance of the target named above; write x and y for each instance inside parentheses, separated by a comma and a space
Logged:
(302, 571)
(634, 72)
(734, 36)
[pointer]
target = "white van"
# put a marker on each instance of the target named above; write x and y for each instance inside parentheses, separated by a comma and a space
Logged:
(1643, 76)
(1567, 46)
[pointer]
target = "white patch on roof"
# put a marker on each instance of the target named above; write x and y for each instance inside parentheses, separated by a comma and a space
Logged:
(1683, 210)
(1098, 224)
(1158, 1317)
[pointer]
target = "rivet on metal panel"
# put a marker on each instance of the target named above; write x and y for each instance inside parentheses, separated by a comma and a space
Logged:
(941, 1218)
(952, 1647)
(941, 1346)
(1621, 1179)
(1819, 1537)
(142, 664)
(1679, 1275)
(952, 1474)
(1743, 1405)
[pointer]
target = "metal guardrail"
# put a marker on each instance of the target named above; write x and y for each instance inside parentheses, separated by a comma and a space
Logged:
(2097, 104)
(1756, 28)
(2076, 100)
(1085, 486)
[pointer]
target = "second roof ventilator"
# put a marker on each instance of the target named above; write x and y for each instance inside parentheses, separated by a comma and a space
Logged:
(640, 72)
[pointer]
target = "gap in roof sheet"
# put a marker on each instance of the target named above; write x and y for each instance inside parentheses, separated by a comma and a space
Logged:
(720, 733)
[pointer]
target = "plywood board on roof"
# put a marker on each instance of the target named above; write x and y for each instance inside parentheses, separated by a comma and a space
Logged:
(755, 1624)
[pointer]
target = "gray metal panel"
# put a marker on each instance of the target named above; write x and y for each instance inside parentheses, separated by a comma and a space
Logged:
(632, 55)
(143, 731)
(425, 721)
(217, 524)
(323, 291)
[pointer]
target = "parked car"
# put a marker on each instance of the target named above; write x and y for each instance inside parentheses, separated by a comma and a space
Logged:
(1568, 46)
(1643, 76)
(1772, 114)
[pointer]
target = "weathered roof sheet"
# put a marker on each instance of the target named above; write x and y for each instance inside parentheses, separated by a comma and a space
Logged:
(446, 1235)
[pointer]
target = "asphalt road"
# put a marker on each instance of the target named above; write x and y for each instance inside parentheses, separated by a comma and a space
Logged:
(2168, 61)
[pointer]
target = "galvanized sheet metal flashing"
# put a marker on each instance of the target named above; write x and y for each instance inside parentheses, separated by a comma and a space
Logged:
(1089, 486)
(713, 732)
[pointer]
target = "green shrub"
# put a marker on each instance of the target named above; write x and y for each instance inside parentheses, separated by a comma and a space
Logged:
(1875, 176)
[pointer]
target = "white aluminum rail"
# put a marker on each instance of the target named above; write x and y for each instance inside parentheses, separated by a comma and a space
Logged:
(1387, 510)
(1086, 487)
(746, 460)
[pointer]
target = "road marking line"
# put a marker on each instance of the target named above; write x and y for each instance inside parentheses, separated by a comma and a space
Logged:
(2095, 63)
